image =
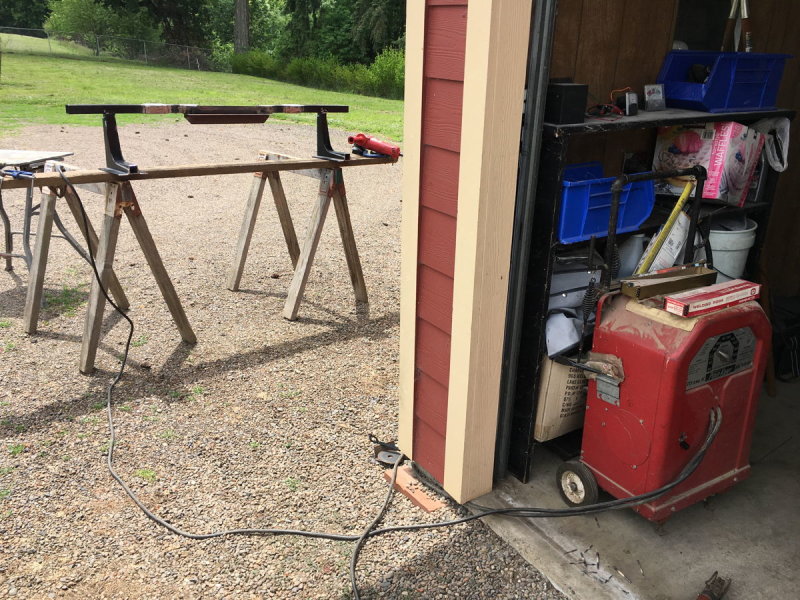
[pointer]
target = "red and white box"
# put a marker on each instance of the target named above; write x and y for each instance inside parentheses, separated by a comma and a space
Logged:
(704, 300)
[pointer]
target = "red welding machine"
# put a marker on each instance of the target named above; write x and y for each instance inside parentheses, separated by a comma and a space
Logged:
(641, 431)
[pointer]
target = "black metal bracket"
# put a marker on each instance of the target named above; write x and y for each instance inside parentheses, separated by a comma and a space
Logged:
(324, 148)
(115, 163)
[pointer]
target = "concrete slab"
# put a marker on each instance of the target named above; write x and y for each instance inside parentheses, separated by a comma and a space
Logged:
(750, 533)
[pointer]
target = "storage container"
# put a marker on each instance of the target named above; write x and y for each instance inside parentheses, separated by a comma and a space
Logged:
(586, 203)
(736, 81)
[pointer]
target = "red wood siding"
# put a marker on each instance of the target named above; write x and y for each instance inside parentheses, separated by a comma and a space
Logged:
(442, 97)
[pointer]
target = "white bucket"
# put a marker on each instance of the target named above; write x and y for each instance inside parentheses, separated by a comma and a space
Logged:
(730, 248)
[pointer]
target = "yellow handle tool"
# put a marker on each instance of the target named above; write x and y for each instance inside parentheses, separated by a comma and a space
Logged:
(662, 235)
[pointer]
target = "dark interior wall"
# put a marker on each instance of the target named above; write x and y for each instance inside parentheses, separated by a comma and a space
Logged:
(618, 43)
(775, 29)
(610, 45)
(701, 24)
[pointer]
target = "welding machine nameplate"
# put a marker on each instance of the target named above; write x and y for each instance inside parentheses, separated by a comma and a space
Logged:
(722, 355)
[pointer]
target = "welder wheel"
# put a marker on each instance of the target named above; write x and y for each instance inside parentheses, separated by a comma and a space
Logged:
(576, 484)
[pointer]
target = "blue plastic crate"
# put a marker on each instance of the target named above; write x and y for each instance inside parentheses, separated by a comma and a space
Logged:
(737, 81)
(586, 203)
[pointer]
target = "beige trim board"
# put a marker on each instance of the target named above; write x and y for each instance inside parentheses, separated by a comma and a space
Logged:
(496, 55)
(409, 234)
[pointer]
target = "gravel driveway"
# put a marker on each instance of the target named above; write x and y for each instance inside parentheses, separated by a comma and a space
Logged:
(263, 423)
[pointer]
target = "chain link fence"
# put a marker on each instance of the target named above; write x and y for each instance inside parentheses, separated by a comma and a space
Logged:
(75, 45)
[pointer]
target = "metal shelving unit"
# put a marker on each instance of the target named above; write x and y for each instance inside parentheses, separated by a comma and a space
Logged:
(533, 264)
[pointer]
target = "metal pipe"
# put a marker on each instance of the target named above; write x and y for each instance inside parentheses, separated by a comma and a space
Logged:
(702, 174)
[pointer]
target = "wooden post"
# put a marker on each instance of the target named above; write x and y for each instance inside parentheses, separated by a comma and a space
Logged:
(91, 241)
(104, 259)
(310, 244)
(33, 300)
(348, 239)
(497, 40)
(142, 233)
(246, 233)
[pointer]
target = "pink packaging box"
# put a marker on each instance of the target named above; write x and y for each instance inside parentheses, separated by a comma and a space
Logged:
(729, 151)
(707, 299)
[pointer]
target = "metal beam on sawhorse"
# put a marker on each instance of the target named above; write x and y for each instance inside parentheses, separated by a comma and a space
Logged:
(331, 188)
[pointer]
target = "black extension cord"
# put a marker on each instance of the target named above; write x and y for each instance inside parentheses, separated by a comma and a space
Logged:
(715, 421)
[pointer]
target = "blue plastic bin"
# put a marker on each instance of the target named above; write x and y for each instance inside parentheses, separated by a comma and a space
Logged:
(586, 203)
(737, 81)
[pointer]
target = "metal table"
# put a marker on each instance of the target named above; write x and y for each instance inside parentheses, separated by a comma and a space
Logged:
(28, 160)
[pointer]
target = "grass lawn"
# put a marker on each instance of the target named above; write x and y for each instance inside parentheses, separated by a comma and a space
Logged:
(23, 43)
(35, 88)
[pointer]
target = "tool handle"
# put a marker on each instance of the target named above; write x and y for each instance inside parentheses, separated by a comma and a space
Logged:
(747, 36)
(746, 41)
(727, 38)
(730, 25)
(665, 230)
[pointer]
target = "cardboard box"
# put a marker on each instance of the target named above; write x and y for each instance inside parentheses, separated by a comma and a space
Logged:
(562, 400)
(729, 151)
(713, 297)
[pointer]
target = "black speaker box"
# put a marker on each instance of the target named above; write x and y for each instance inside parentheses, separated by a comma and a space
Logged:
(566, 103)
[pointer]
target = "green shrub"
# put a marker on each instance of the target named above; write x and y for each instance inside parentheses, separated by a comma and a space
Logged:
(257, 63)
(384, 77)
(221, 56)
(388, 72)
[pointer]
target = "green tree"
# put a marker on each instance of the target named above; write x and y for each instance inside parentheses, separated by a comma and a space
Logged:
(185, 22)
(23, 13)
(349, 30)
(332, 34)
(378, 24)
(82, 17)
(93, 24)
(303, 16)
(267, 24)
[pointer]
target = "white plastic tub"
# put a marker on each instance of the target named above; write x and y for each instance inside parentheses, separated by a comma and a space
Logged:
(730, 249)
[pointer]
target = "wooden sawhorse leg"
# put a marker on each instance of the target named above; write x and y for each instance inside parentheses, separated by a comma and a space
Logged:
(120, 198)
(348, 238)
(33, 301)
(331, 187)
(249, 223)
(90, 236)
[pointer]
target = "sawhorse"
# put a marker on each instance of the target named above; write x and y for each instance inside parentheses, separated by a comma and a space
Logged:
(119, 199)
(331, 188)
(38, 265)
